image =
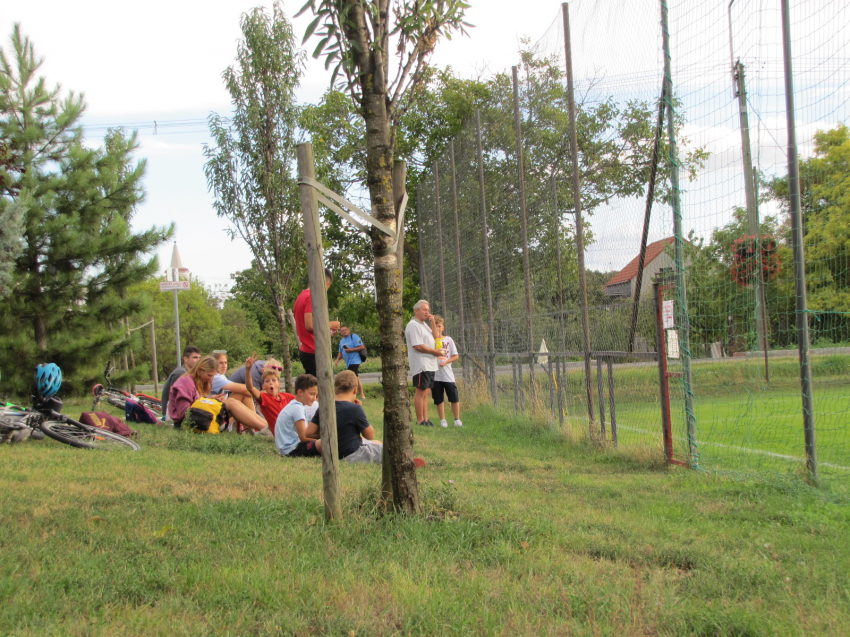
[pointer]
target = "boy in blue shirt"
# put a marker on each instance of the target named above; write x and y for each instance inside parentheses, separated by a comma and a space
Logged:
(291, 426)
(350, 346)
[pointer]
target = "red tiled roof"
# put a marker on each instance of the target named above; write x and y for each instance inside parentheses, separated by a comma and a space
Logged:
(630, 271)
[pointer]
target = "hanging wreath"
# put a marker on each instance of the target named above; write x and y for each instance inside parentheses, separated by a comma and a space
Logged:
(747, 259)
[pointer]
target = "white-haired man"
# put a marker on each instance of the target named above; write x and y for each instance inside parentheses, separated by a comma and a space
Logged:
(422, 356)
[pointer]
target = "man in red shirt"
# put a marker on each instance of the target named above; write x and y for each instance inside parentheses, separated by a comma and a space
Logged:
(303, 311)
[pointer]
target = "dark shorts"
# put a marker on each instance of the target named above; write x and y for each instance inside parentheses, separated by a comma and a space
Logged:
(450, 390)
(354, 368)
(304, 450)
(308, 361)
(424, 380)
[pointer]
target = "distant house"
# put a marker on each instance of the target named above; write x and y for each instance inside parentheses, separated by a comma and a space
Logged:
(622, 284)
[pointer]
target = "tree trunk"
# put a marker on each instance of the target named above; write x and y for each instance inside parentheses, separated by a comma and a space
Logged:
(284, 341)
(40, 333)
(398, 435)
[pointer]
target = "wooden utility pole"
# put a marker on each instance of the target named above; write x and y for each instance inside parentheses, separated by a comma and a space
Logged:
(321, 319)
(582, 282)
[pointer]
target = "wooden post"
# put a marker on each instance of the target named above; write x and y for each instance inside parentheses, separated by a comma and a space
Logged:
(753, 227)
(130, 352)
(582, 282)
(153, 357)
(324, 366)
(399, 188)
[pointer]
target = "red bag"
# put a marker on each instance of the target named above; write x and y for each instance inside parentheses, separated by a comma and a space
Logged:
(102, 420)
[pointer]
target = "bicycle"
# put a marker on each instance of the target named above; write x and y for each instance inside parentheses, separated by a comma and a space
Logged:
(118, 397)
(45, 417)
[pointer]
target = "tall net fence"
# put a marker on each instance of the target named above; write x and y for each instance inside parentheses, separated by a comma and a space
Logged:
(704, 363)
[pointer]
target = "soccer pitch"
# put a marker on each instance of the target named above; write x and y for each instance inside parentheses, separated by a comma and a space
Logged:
(742, 423)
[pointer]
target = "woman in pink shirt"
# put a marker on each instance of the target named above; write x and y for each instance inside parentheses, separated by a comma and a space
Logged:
(190, 387)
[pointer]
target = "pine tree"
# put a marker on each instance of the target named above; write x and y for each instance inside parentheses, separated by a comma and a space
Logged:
(79, 253)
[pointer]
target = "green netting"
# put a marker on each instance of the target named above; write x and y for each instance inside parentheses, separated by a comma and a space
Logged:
(737, 252)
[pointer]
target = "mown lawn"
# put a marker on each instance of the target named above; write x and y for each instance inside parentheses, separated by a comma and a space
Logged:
(525, 533)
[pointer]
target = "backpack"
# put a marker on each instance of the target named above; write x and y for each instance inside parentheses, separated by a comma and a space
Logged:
(363, 354)
(102, 420)
(134, 412)
(202, 416)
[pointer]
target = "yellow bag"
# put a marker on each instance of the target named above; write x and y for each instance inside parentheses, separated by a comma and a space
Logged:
(197, 418)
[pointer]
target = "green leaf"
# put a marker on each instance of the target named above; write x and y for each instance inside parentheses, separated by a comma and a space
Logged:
(311, 28)
(320, 47)
(308, 5)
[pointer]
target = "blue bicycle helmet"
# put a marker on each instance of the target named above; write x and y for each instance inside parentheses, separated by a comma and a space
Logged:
(48, 379)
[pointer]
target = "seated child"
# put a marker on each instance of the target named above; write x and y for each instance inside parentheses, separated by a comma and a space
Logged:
(291, 427)
(351, 424)
(444, 379)
(271, 400)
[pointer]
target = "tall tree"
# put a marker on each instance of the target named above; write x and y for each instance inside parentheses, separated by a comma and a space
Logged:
(359, 36)
(79, 253)
(825, 203)
(250, 166)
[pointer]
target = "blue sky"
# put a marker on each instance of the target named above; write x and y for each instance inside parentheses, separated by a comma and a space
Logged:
(140, 63)
(162, 61)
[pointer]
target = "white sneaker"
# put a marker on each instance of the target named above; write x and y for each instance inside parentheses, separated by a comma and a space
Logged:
(458, 423)
(265, 431)
(443, 423)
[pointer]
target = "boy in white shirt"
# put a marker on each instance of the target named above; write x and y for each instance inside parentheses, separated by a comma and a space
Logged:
(291, 427)
(444, 379)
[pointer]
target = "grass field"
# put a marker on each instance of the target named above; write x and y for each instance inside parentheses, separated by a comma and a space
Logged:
(743, 424)
(526, 532)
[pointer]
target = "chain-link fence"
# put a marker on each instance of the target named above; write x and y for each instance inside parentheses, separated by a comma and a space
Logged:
(500, 252)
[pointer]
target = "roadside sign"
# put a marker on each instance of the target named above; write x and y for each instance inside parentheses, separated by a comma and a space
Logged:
(174, 286)
(667, 314)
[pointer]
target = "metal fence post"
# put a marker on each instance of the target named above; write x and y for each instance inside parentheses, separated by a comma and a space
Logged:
(459, 266)
(526, 265)
(485, 233)
(681, 290)
(440, 238)
(799, 262)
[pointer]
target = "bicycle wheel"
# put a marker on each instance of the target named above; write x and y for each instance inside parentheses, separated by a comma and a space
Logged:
(150, 403)
(116, 402)
(87, 437)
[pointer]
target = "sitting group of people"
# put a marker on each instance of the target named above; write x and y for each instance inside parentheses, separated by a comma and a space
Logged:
(292, 420)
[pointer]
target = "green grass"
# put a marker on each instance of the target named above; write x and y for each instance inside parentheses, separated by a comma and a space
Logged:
(743, 424)
(526, 533)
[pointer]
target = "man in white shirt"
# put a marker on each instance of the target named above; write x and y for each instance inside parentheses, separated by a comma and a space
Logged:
(422, 357)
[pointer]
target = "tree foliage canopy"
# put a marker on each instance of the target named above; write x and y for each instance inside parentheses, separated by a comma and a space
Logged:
(78, 253)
